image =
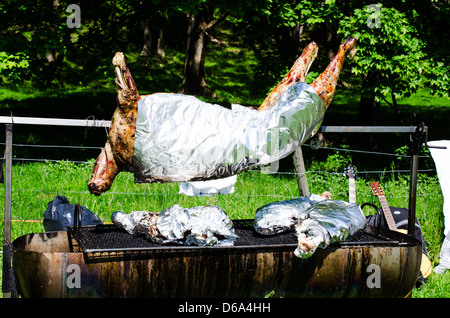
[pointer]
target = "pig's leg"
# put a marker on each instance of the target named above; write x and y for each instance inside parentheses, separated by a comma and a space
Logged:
(325, 83)
(296, 74)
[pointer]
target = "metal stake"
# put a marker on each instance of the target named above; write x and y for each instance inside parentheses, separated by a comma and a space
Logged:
(416, 139)
(7, 275)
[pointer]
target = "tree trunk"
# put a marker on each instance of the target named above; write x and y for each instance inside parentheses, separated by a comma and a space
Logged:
(160, 44)
(194, 81)
(297, 35)
(330, 40)
(51, 56)
(146, 49)
(285, 42)
(394, 106)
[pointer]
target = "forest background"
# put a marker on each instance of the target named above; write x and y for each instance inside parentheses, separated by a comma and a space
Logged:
(402, 45)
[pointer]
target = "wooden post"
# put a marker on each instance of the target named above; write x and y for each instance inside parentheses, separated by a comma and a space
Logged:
(301, 172)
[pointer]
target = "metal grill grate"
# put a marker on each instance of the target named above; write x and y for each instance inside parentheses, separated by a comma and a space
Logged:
(108, 238)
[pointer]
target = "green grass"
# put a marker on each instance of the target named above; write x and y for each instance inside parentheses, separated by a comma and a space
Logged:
(436, 287)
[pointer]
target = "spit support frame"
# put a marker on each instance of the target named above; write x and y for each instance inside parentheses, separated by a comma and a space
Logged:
(417, 135)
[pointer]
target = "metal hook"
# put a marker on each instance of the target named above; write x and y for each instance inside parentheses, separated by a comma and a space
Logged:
(315, 142)
(77, 217)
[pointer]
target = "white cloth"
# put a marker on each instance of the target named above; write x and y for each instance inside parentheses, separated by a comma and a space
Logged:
(441, 159)
(209, 187)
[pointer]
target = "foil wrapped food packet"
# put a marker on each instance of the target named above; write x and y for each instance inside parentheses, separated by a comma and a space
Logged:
(179, 138)
(326, 222)
(282, 216)
(317, 220)
(201, 225)
(136, 222)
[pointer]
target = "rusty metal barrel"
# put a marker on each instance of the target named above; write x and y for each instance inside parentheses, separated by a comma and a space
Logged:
(46, 266)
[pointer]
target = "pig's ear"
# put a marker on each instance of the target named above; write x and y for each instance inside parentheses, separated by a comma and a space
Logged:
(127, 94)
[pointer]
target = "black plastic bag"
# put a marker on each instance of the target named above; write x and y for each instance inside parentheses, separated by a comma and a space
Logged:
(60, 214)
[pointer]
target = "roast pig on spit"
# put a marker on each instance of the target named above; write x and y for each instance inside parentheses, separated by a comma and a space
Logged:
(119, 151)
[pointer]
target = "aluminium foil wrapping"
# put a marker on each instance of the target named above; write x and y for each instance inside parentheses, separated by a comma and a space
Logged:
(327, 221)
(282, 216)
(179, 138)
(200, 225)
(318, 221)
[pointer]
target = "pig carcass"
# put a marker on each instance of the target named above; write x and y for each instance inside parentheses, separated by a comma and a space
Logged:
(126, 150)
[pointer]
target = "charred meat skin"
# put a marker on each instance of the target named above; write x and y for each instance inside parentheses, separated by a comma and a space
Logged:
(297, 73)
(104, 172)
(118, 152)
(325, 83)
(123, 124)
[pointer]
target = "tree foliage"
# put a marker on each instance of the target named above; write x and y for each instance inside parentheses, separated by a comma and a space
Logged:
(408, 49)
(388, 47)
(396, 54)
(13, 66)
